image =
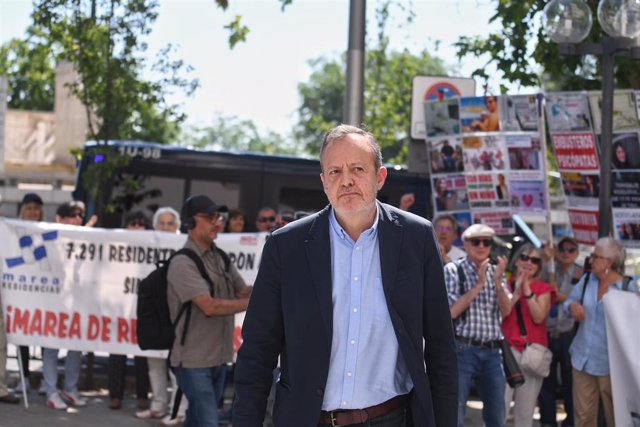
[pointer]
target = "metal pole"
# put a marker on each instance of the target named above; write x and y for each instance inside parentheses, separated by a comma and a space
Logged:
(353, 110)
(608, 61)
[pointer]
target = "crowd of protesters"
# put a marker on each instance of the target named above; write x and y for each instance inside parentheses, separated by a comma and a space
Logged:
(540, 299)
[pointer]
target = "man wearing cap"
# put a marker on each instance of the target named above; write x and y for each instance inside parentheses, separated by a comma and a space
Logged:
(209, 338)
(560, 330)
(478, 299)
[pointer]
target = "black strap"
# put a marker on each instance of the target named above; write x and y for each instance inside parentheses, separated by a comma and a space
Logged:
(625, 283)
(462, 280)
(186, 307)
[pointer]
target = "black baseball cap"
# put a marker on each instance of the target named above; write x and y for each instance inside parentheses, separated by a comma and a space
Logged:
(200, 205)
(31, 198)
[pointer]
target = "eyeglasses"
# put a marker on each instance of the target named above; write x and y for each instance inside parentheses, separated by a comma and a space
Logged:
(534, 259)
(486, 242)
(266, 219)
(440, 228)
(216, 216)
(76, 215)
(287, 218)
(569, 249)
(596, 256)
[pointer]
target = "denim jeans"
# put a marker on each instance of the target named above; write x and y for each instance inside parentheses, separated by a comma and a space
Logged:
(72, 364)
(547, 399)
(484, 367)
(396, 418)
(202, 386)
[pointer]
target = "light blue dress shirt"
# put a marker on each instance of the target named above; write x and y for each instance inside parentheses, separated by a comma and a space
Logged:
(366, 366)
(589, 347)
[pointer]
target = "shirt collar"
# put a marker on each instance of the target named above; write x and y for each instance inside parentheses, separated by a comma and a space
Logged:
(367, 235)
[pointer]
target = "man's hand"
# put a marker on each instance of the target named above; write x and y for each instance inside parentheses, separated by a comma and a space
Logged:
(244, 292)
(92, 221)
(482, 274)
(500, 268)
(577, 311)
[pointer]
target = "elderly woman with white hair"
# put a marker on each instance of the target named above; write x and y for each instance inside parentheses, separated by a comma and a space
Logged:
(589, 356)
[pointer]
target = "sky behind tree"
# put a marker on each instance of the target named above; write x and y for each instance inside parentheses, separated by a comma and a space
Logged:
(258, 79)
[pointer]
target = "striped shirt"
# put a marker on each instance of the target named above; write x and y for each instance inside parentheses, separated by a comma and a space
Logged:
(482, 319)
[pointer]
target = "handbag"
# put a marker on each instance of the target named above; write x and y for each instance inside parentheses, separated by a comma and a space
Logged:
(512, 371)
(536, 358)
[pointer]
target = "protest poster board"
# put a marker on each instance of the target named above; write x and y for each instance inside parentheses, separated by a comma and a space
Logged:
(76, 287)
(480, 171)
(578, 149)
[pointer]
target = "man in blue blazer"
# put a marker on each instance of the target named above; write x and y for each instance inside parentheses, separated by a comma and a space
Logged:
(353, 302)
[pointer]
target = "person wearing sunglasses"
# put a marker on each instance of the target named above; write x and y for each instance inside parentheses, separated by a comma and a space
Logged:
(478, 299)
(531, 300)
(560, 335)
(266, 220)
(589, 354)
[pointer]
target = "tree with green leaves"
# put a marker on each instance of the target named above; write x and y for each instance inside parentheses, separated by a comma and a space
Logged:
(524, 55)
(235, 134)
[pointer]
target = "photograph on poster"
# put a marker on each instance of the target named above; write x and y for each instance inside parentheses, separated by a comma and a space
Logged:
(450, 193)
(626, 151)
(568, 112)
(442, 117)
(575, 151)
(524, 152)
(500, 221)
(519, 113)
(479, 114)
(463, 221)
(487, 190)
(484, 153)
(625, 192)
(581, 190)
(627, 226)
(445, 154)
(527, 195)
(624, 110)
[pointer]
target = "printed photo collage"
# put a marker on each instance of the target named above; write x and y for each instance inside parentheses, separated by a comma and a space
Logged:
(486, 159)
(574, 122)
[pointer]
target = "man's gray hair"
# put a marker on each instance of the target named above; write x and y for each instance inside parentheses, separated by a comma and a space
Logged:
(341, 131)
(614, 250)
(164, 210)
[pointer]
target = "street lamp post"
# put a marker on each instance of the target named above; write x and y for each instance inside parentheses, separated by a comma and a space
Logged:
(568, 22)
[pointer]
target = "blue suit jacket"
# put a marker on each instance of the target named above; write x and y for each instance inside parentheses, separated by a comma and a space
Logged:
(291, 314)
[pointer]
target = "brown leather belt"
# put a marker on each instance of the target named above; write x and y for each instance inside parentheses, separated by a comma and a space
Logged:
(349, 417)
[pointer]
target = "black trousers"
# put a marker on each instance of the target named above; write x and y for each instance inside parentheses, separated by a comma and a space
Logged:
(116, 376)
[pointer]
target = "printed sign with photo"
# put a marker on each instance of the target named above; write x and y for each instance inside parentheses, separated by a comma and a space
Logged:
(581, 190)
(445, 154)
(450, 193)
(626, 151)
(626, 223)
(624, 110)
(484, 153)
(487, 190)
(527, 196)
(568, 112)
(500, 220)
(519, 113)
(575, 151)
(442, 117)
(524, 152)
(479, 114)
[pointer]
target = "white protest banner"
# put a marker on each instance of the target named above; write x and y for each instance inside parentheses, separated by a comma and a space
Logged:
(623, 341)
(75, 287)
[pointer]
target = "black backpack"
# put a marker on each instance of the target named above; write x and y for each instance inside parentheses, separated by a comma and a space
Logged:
(154, 328)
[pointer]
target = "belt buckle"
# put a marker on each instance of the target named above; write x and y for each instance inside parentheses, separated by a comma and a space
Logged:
(334, 421)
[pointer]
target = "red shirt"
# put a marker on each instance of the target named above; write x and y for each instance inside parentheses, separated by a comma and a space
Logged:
(536, 333)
